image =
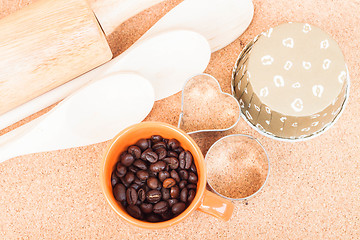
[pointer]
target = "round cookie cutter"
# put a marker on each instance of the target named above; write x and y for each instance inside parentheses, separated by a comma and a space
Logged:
(247, 175)
(236, 69)
(201, 95)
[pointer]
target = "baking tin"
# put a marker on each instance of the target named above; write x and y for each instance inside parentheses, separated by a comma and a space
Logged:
(240, 68)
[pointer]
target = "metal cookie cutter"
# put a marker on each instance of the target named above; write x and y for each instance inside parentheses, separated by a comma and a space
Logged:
(238, 165)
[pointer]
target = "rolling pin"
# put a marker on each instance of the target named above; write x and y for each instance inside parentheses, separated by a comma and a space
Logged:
(50, 42)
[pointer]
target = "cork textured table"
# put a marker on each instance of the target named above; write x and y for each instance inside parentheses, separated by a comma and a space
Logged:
(313, 190)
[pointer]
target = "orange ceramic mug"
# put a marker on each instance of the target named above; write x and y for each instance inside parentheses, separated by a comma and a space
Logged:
(204, 200)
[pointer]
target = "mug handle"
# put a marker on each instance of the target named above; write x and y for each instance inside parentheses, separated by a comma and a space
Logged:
(216, 206)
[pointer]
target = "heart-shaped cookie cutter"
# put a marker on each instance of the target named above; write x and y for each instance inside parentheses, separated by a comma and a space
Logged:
(205, 108)
(200, 92)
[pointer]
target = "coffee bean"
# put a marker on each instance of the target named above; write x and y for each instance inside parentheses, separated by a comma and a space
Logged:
(165, 192)
(135, 186)
(135, 151)
(146, 187)
(178, 208)
(153, 174)
(182, 160)
(122, 180)
(182, 184)
(158, 166)
(138, 181)
(140, 164)
(172, 154)
(191, 195)
(141, 194)
(159, 145)
(184, 195)
(159, 187)
(161, 207)
(173, 144)
(179, 150)
(126, 159)
(172, 162)
(153, 183)
(192, 178)
(188, 159)
(191, 186)
(172, 201)
(183, 174)
(167, 215)
(134, 211)
(174, 192)
(131, 196)
(167, 168)
(175, 175)
(153, 218)
(149, 156)
(133, 169)
(129, 177)
(120, 170)
(193, 168)
(143, 144)
(120, 192)
(163, 175)
(169, 182)
(115, 179)
(146, 208)
(142, 175)
(138, 202)
(156, 138)
(153, 196)
(185, 159)
(161, 152)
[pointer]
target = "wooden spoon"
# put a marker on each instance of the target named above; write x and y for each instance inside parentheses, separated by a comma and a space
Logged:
(219, 21)
(93, 114)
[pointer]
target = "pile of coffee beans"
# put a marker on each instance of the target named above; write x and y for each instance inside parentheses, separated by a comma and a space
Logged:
(155, 179)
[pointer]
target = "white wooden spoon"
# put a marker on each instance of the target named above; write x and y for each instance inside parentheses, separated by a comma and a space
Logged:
(167, 60)
(93, 114)
(219, 21)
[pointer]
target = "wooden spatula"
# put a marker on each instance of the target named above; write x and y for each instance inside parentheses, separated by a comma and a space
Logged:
(49, 43)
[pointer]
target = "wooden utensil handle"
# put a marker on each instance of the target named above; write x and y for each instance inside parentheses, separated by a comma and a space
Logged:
(45, 45)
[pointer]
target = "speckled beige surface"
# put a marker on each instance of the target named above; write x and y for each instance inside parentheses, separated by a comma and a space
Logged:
(313, 191)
